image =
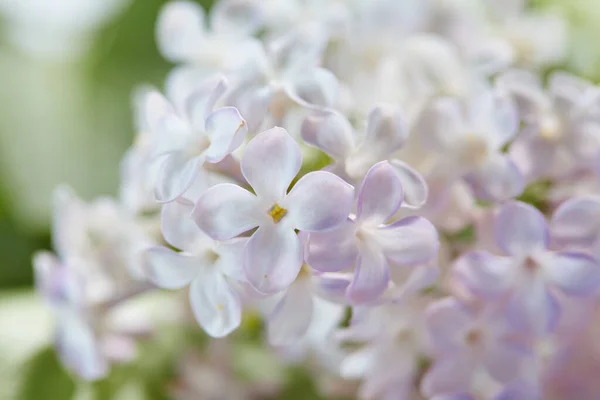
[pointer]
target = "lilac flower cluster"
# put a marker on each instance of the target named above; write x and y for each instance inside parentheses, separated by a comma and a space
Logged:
(405, 160)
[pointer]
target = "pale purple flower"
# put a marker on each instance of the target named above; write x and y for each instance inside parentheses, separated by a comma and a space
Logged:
(369, 243)
(576, 223)
(562, 123)
(189, 134)
(529, 273)
(467, 339)
(385, 134)
(467, 137)
(319, 201)
(208, 267)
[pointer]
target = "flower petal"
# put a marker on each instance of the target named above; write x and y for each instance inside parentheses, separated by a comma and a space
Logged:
(330, 132)
(202, 99)
(334, 250)
(270, 162)
(380, 194)
(371, 277)
(446, 319)
(180, 28)
(573, 272)
(216, 307)
(410, 241)
(176, 174)
(520, 229)
(575, 222)
(386, 132)
(319, 201)
(313, 88)
(291, 317)
(226, 210)
(503, 360)
(272, 258)
(227, 130)
(532, 310)
(178, 227)
(498, 179)
(168, 269)
(484, 274)
(414, 186)
(231, 258)
(448, 375)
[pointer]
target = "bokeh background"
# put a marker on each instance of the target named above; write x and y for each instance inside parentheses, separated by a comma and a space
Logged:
(68, 69)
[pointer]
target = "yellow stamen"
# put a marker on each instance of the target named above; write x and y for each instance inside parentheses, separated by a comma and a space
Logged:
(277, 213)
(220, 307)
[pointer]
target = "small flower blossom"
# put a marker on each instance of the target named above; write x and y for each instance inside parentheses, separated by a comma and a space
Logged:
(369, 243)
(319, 201)
(530, 271)
(187, 138)
(207, 266)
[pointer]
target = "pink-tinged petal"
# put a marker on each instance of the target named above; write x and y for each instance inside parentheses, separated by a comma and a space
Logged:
(503, 360)
(270, 161)
(334, 250)
(521, 229)
(519, 390)
(289, 321)
(410, 241)
(371, 277)
(484, 274)
(330, 132)
(226, 210)
(534, 156)
(446, 319)
(231, 258)
(498, 179)
(415, 188)
(577, 221)
(380, 194)
(318, 202)
(178, 227)
(272, 258)
(226, 130)
(448, 375)
(216, 307)
(576, 274)
(176, 174)
(314, 88)
(179, 29)
(169, 269)
(332, 286)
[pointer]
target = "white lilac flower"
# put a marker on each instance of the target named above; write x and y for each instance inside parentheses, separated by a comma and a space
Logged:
(562, 123)
(371, 244)
(354, 155)
(183, 36)
(187, 135)
(206, 266)
(468, 138)
(319, 201)
(466, 339)
(530, 272)
(393, 340)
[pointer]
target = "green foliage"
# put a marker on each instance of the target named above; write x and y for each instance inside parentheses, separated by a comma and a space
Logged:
(43, 378)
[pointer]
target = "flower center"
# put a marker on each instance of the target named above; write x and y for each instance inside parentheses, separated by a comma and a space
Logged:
(530, 264)
(474, 151)
(473, 337)
(305, 272)
(550, 129)
(277, 213)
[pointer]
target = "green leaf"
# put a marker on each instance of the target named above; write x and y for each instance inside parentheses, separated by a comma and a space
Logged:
(45, 378)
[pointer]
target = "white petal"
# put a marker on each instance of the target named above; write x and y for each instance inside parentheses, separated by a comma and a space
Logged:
(497, 180)
(231, 258)
(334, 250)
(315, 88)
(226, 130)
(236, 17)
(330, 132)
(170, 270)
(216, 307)
(272, 258)
(226, 210)
(414, 186)
(319, 201)
(270, 161)
(179, 29)
(176, 174)
(291, 317)
(410, 241)
(380, 194)
(178, 227)
(386, 131)
(201, 100)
